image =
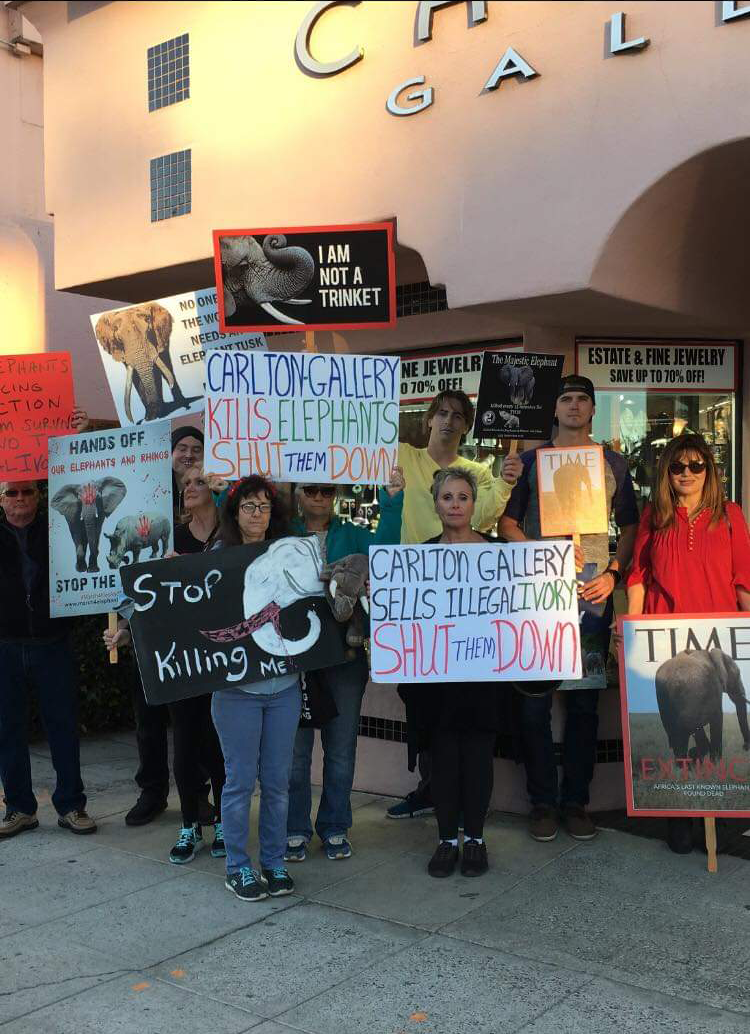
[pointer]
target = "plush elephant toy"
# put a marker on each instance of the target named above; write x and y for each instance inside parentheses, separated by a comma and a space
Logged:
(85, 508)
(689, 689)
(264, 274)
(139, 338)
(520, 381)
(346, 580)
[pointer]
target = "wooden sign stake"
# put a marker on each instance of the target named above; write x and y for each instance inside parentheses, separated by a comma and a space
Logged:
(309, 340)
(710, 825)
(513, 447)
(112, 627)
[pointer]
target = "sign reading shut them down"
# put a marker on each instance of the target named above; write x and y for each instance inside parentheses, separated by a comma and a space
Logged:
(474, 613)
(306, 278)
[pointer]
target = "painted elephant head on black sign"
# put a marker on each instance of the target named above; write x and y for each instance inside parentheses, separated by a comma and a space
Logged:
(85, 507)
(264, 275)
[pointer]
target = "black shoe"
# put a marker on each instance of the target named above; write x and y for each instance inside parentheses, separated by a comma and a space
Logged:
(278, 881)
(206, 811)
(144, 811)
(474, 859)
(413, 804)
(680, 835)
(443, 862)
(246, 885)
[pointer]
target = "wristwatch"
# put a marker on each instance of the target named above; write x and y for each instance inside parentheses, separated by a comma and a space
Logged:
(615, 572)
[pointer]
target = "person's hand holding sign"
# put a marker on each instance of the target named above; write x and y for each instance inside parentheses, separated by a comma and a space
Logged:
(80, 420)
(118, 638)
(512, 468)
(600, 588)
(397, 483)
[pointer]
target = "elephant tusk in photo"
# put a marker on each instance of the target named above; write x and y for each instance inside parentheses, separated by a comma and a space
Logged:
(166, 372)
(128, 393)
(298, 301)
(365, 603)
(332, 588)
(280, 316)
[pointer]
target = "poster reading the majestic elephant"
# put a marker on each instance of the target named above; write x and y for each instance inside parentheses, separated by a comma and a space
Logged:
(572, 492)
(36, 400)
(474, 613)
(302, 416)
(683, 685)
(223, 619)
(154, 354)
(110, 500)
(517, 395)
(306, 278)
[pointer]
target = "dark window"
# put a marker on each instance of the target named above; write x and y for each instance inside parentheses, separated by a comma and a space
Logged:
(419, 299)
(171, 186)
(168, 72)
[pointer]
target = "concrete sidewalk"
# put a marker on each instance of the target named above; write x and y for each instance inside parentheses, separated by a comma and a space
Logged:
(101, 934)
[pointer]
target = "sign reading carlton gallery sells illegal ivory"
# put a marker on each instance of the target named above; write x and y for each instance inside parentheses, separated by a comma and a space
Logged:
(36, 400)
(302, 416)
(684, 685)
(572, 495)
(110, 500)
(474, 613)
(153, 354)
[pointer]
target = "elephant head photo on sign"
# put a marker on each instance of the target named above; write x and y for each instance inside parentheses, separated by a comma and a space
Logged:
(267, 275)
(520, 383)
(85, 507)
(689, 691)
(139, 339)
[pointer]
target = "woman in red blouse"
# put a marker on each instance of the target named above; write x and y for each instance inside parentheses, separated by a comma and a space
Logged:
(692, 552)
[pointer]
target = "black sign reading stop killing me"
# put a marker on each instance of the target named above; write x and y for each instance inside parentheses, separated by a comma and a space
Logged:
(517, 395)
(313, 278)
(219, 620)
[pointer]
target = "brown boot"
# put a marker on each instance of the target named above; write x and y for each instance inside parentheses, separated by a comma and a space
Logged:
(16, 822)
(578, 822)
(77, 821)
(543, 823)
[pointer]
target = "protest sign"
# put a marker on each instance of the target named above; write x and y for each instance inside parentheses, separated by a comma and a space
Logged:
(683, 689)
(426, 374)
(220, 620)
(110, 497)
(572, 496)
(158, 349)
(300, 416)
(517, 395)
(36, 401)
(474, 613)
(706, 366)
(306, 278)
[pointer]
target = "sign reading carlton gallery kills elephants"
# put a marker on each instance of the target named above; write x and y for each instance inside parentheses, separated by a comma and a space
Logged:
(110, 499)
(683, 687)
(517, 395)
(306, 278)
(153, 354)
(219, 620)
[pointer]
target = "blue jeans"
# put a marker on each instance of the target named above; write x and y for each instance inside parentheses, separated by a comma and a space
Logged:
(338, 738)
(579, 747)
(48, 668)
(256, 733)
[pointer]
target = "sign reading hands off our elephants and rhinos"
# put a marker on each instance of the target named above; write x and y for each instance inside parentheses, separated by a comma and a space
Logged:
(36, 400)
(302, 416)
(684, 686)
(572, 493)
(306, 278)
(153, 354)
(110, 499)
(222, 619)
(474, 613)
(517, 395)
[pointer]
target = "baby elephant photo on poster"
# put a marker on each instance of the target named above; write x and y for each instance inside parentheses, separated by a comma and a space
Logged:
(689, 689)
(85, 507)
(520, 382)
(139, 338)
(266, 275)
(136, 532)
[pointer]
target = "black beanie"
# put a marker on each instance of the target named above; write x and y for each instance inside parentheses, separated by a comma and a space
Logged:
(186, 432)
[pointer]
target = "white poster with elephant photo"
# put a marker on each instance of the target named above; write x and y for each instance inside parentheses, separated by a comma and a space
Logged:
(683, 683)
(110, 504)
(153, 354)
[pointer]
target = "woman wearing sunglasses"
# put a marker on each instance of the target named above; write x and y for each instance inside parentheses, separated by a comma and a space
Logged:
(346, 682)
(691, 555)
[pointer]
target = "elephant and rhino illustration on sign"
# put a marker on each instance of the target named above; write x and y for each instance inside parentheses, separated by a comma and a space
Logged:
(87, 505)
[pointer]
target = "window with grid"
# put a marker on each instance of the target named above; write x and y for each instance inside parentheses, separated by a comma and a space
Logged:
(171, 187)
(168, 72)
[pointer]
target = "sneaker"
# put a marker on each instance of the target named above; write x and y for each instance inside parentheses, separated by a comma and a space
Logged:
(16, 822)
(144, 811)
(246, 885)
(337, 847)
(296, 849)
(413, 804)
(443, 862)
(474, 859)
(578, 823)
(278, 881)
(218, 850)
(543, 823)
(189, 843)
(77, 821)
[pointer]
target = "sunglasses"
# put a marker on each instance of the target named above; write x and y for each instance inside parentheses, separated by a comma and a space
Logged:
(13, 492)
(327, 491)
(251, 508)
(695, 467)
